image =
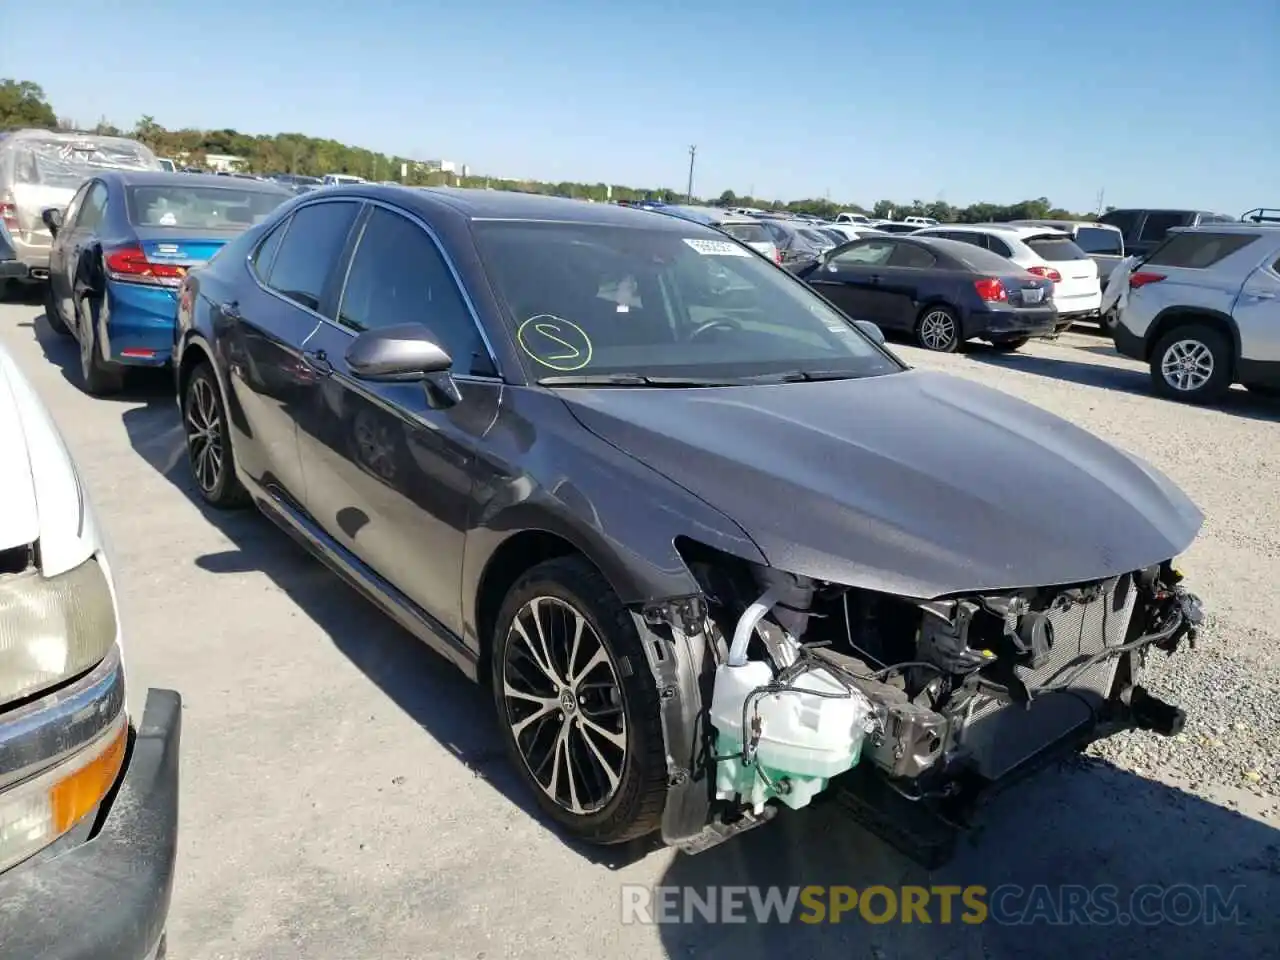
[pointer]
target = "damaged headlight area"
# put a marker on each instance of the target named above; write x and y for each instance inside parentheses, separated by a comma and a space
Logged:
(912, 709)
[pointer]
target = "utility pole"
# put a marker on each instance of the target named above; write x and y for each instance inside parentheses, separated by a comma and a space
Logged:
(693, 152)
(1102, 195)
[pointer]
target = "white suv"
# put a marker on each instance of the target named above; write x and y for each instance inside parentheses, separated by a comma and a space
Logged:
(1048, 253)
(1203, 309)
(88, 799)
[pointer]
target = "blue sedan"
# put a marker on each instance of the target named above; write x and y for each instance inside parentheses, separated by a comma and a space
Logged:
(120, 250)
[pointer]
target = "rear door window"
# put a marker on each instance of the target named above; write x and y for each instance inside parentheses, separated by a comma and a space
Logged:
(865, 253)
(1198, 250)
(310, 250)
(913, 257)
(1055, 249)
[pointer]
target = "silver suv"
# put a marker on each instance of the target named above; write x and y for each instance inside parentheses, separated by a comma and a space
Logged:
(1204, 310)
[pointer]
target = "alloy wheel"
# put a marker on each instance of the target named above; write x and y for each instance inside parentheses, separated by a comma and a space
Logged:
(204, 434)
(564, 705)
(937, 330)
(1187, 365)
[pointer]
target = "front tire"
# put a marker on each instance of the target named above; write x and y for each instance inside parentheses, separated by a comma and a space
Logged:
(1192, 364)
(204, 421)
(578, 704)
(938, 329)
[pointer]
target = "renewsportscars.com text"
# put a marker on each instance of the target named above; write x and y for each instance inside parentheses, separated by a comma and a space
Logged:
(1007, 905)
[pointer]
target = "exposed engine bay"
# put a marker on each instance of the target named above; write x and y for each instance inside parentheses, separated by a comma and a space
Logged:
(910, 710)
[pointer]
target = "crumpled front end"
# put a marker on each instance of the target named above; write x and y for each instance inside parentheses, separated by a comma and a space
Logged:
(909, 711)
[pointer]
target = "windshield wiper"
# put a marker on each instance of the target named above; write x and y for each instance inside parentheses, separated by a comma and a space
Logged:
(629, 380)
(800, 376)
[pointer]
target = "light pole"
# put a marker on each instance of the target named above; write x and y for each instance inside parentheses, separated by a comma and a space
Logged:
(693, 152)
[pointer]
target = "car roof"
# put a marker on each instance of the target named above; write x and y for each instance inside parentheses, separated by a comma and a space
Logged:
(162, 178)
(1261, 229)
(475, 203)
(1068, 224)
(1019, 231)
(705, 214)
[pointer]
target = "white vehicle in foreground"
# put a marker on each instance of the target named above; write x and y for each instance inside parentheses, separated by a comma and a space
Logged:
(1048, 253)
(88, 799)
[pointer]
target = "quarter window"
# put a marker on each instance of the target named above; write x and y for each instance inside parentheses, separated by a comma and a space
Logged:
(1198, 250)
(266, 252)
(310, 250)
(95, 204)
(1158, 224)
(996, 245)
(397, 276)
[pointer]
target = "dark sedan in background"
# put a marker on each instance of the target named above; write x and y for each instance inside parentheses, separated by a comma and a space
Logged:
(941, 291)
(575, 447)
(120, 249)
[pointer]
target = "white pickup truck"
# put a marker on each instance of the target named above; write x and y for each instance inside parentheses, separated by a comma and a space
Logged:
(88, 794)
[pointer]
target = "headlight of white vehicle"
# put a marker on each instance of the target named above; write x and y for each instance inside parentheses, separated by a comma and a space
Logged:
(39, 810)
(53, 628)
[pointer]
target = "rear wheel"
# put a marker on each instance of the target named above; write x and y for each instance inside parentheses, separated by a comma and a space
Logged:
(204, 420)
(1192, 364)
(100, 379)
(1010, 344)
(578, 704)
(52, 314)
(938, 330)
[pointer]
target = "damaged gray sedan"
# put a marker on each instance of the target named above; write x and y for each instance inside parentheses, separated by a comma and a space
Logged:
(714, 547)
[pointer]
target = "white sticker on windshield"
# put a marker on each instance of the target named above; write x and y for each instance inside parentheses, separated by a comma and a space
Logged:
(717, 248)
(169, 220)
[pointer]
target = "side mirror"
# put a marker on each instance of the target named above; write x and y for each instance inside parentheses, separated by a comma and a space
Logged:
(405, 353)
(52, 218)
(871, 330)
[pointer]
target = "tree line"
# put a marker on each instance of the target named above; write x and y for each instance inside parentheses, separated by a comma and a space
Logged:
(23, 104)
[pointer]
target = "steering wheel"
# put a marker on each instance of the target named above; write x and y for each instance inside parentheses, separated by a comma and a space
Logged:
(717, 323)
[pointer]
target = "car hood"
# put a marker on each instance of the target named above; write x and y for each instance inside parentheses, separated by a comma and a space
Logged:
(914, 483)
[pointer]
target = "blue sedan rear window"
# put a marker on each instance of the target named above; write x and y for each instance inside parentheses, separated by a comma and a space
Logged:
(199, 207)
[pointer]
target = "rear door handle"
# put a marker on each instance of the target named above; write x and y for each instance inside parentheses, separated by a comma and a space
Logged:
(317, 362)
(874, 278)
(1263, 295)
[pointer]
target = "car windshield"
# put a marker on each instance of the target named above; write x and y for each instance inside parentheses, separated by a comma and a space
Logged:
(1098, 240)
(586, 301)
(67, 163)
(1055, 248)
(200, 208)
(746, 232)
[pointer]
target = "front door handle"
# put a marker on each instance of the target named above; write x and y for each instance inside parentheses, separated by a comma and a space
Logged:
(1262, 295)
(874, 278)
(317, 362)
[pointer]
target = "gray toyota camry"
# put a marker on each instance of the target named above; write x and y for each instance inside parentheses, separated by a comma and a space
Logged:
(715, 549)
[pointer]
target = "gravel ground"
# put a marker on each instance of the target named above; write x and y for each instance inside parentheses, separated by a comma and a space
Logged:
(344, 794)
